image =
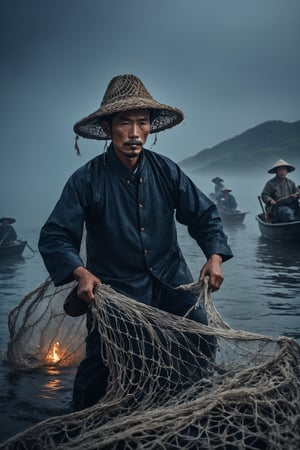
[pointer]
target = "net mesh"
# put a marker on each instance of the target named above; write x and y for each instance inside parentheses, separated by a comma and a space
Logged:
(174, 383)
(41, 333)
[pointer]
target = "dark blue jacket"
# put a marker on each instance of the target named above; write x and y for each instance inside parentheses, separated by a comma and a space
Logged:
(131, 233)
(7, 234)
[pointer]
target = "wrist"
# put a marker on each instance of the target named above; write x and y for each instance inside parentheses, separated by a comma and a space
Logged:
(79, 272)
(216, 257)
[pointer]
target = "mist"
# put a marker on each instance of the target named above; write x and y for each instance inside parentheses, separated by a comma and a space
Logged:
(228, 65)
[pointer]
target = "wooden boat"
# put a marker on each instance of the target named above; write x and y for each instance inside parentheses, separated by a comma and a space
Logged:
(15, 249)
(234, 218)
(281, 232)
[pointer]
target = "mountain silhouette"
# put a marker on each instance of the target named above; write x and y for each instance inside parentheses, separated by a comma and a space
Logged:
(256, 149)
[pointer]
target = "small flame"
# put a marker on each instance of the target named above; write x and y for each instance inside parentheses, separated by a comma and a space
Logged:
(53, 355)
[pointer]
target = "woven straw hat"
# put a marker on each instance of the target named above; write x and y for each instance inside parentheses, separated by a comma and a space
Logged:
(281, 163)
(127, 92)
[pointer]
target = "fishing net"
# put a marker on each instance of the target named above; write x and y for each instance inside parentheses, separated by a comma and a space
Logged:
(174, 383)
(41, 333)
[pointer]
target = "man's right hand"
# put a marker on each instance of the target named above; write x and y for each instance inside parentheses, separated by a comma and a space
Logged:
(86, 283)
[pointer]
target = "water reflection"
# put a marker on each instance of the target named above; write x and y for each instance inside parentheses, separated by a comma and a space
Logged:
(278, 254)
(38, 380)
(233, 226)
(53, 383)
(278, 266)
(9, 266)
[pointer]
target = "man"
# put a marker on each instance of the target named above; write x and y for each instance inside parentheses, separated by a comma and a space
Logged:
(226, 201)
(218, 184)
(8, 234)
(127, 198)
(281, 194)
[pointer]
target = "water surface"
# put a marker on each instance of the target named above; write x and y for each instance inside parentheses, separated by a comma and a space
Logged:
(261, 293)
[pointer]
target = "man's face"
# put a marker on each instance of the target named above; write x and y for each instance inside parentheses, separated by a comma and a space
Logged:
(129, 131)
(281, 172)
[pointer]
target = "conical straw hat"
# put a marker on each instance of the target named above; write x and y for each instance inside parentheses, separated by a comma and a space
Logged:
(7, 218)
(127, 92)
(281, 163)
(226, 189)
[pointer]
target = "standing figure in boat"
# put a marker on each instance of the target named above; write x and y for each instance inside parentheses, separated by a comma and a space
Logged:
(8, 234)
(127, 197)
(226, 202)
(281, 194)
(218, 182)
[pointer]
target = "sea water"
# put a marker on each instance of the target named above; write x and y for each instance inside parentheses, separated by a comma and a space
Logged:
(260, 293)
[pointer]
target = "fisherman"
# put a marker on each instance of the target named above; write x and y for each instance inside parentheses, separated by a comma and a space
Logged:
(218, 184)
(127, 198)
(281, 194)
(8, 234)
(226, 202)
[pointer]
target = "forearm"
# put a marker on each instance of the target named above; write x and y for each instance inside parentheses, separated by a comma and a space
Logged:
(59, 254)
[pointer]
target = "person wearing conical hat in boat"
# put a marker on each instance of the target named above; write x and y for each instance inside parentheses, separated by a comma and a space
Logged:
(218, 182)
(280, 194)
(8, 234)
(127, 198)
(226, 202)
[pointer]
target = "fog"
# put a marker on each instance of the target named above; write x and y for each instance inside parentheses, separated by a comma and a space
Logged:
(229, 65)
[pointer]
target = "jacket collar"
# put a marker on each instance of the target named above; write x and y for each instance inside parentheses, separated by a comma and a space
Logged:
(120, 168)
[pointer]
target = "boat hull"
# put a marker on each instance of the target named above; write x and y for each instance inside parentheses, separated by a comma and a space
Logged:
(12, 250)
(233, 218)
(279, 232)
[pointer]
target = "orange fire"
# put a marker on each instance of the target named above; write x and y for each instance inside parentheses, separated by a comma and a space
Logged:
(53, 355)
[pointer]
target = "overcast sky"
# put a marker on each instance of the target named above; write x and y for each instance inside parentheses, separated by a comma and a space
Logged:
(228, 64)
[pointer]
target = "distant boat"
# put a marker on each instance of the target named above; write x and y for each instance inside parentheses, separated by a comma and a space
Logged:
(279, 232)
(15, 249)
(230, 218)
(233, 218)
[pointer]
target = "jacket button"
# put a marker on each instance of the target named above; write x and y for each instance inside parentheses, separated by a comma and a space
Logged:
(128, 181)
(141, 180)
(146, 251)
(142, 229)
(141, 205)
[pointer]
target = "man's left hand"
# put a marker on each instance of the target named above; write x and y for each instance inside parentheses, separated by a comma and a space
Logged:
(213, 268)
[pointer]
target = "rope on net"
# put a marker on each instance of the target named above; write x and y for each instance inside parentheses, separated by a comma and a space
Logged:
(174, 383)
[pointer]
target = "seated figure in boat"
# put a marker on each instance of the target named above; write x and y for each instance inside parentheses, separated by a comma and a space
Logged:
(8, 234)
(226, 202)
(281, 194)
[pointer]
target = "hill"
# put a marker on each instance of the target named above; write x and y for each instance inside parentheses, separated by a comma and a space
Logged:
(254, 150)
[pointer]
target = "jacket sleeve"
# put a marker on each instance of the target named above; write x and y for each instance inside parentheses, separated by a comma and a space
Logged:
(294, 187)
(12, 234)
(266, 194)
(60, 237)
(292, 202)
(201, 216)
